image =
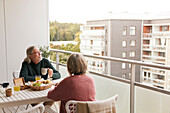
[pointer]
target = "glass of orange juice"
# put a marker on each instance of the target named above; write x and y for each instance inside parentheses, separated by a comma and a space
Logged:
(17, 88)
(37, 77)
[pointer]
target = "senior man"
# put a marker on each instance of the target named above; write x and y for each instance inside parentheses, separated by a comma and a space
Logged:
(33, 63)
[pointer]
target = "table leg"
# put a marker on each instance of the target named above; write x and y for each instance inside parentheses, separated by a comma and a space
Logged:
(3, 110)
(17, 109)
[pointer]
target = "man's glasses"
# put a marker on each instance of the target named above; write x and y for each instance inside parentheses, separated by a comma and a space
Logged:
(39, 52)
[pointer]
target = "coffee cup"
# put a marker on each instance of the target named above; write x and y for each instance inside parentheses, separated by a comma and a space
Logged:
(8, 92)
(44, 71)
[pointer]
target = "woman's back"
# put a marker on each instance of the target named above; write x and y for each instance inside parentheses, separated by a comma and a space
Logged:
(77, 87)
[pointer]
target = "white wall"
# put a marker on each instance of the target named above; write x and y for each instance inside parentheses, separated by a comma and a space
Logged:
(26, 23)
(3, 76)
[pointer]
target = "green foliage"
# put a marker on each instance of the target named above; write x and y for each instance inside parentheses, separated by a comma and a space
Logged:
(45, 51)
(63, 31)
(64, 56)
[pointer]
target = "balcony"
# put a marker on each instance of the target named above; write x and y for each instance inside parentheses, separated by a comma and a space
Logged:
(134, 97)
(164, 34)
(147, 35)
(92, 48)
(93, 33)
(86, 37)
(159, 48)
(147, 47)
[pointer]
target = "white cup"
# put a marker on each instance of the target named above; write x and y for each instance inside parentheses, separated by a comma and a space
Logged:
(44, 71)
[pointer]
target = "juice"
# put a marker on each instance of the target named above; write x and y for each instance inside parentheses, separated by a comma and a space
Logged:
(16, 88)
(37, 78)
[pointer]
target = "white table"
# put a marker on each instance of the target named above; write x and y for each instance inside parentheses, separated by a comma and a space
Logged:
(23, 97)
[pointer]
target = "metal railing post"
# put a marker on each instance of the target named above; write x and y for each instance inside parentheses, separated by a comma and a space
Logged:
(132, 89)
(57, 61)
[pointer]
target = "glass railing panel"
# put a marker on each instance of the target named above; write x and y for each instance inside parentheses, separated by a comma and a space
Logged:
(106, 88)
(63, 71)
(148, 101)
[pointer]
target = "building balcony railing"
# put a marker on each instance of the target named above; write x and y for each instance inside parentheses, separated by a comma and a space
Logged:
(147, 35)
(147, 47)
(92, 48)
(94, 32)
(88, 37)
(161, 34)
(134, 97)
(159, 48)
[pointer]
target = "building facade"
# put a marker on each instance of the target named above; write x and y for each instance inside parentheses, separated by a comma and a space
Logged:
(113, 38)
(156, 49)
(142, 40)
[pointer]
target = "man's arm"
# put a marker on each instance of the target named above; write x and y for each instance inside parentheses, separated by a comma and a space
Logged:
(56, 74)
(24, 73)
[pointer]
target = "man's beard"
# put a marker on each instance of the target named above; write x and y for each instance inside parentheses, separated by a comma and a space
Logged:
(39, 59)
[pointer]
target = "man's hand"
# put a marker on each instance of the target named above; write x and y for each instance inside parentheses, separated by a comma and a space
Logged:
(50, 72)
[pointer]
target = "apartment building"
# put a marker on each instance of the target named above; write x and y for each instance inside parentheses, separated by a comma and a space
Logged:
(115, 38)
(156, 49)
(93, 39)
(144, 40)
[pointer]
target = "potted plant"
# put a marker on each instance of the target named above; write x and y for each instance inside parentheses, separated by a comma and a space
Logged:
(45, 51)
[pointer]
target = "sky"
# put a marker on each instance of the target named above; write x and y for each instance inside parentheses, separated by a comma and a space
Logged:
(80, 11)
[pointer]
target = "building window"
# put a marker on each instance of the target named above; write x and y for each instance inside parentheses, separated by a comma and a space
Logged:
(123, 54)
(132, 54)
(123, 75)
(130, 65)
(132, 43)
(102, 53)
(91, 42)
(146, 41)
(161, 54)
(123, 43)
(123, 65)
(165, 28)
(129, 75)
(132, 30)
(124, 30)
(94, 64)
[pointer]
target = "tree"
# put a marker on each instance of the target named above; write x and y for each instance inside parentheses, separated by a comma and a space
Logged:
(63, 31)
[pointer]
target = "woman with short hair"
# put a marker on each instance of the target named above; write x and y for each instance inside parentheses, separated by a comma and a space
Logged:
(78, 86)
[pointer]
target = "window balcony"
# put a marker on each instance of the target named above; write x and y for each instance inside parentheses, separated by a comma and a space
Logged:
(147, 47)
(92, 48)
(147, 35)
(134, 97)
(93, 33)
(164, 34)
(159, 48)
(89, 37)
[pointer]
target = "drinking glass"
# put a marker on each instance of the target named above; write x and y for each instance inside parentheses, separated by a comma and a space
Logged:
(37, 77)
(8, 92)
(16, 88)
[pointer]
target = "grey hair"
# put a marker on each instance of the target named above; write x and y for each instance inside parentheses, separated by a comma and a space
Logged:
(76, 64)
(29, 52)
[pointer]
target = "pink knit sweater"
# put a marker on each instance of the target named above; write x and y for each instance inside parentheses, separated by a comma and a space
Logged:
(77, 87)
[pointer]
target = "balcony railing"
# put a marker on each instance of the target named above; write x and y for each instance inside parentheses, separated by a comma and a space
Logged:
(147, 35)
(134, 97)
(94, 32)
